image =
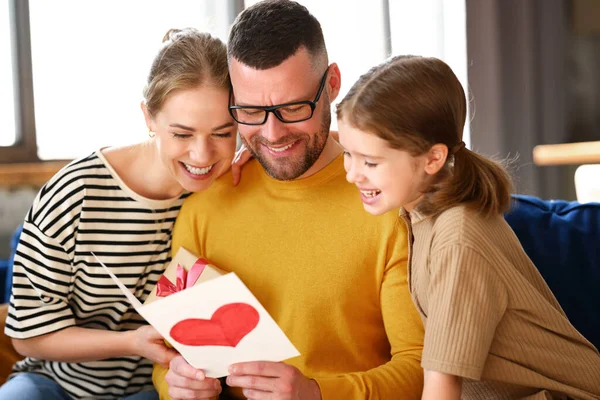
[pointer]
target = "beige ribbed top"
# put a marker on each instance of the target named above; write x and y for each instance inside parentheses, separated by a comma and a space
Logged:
(489, 316)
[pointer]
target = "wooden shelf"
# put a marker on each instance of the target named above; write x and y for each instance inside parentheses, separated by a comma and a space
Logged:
(29, 174)
(567, 153)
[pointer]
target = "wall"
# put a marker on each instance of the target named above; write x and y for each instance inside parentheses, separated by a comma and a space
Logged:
(533, 74)
(517, 51)
(583, 67)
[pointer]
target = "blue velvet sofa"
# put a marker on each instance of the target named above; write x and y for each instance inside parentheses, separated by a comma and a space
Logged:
(563, 240)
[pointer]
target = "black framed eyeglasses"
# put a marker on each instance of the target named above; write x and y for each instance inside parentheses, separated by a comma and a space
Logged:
(287, 113)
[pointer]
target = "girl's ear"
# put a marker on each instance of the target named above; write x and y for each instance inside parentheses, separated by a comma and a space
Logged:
(436, 158)
(147, 117)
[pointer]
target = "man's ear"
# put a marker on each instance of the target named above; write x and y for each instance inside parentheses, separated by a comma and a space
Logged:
(334, 82)
(436, 158)
(147, 117)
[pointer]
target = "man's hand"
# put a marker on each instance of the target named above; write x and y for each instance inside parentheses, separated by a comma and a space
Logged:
(186, 382)
(272, 380)
(148, 343)
(242, 156)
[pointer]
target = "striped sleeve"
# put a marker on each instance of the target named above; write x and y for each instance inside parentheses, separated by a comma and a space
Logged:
(467, 300)
(41, 282)
(43, 273)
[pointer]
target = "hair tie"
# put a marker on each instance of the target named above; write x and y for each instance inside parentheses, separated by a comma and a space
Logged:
(456, 148)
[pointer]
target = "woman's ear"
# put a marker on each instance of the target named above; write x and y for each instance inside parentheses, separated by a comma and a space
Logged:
(436, 158)
(147, 117)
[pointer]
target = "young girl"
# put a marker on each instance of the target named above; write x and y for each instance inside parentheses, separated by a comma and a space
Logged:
(493, 329)
(81, 337)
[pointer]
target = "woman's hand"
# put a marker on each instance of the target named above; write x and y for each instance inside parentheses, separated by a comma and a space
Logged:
(242, 156)
(148, 343)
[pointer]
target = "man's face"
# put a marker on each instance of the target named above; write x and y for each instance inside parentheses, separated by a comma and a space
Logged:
(285, 150)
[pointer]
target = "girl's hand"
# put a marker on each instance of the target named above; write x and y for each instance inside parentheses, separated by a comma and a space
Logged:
(242, 156)
(148, 343)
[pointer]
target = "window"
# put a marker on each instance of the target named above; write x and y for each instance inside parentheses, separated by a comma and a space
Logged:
(433, 28)
(7, 104)
(82, 65)
(360, 34)
(89, 61)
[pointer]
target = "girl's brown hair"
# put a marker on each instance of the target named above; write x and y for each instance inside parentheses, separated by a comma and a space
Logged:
(187, 59)
(414, 103)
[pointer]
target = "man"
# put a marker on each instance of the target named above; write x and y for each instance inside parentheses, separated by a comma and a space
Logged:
(331, 275)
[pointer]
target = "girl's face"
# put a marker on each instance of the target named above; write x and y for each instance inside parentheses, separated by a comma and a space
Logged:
(387, 178)
(195, 135)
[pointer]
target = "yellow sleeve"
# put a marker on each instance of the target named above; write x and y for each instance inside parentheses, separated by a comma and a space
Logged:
(158, 378)
(402, 376)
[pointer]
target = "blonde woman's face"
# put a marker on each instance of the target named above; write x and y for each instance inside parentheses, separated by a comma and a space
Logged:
(195, 136)
(387, 178)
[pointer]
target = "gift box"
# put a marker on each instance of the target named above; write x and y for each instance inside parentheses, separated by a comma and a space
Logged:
(185, 270)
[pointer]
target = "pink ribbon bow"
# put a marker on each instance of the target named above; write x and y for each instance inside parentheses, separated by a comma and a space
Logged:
(185, 279)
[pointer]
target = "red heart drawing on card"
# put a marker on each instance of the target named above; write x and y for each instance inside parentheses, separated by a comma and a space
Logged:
(227, 326)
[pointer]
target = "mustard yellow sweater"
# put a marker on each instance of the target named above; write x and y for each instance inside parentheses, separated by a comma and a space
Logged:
(331, 275)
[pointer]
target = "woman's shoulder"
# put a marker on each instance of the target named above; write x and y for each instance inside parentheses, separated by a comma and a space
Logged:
(89, 167)
(66, 186)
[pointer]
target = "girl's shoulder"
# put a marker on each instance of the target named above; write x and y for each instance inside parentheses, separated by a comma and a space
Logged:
(464, 225)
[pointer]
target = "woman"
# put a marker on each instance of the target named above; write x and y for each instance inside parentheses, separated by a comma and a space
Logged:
(493, 329)
(79, 335)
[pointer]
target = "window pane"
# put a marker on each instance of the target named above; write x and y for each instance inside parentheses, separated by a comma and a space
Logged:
(354, 36)
(90, 61)
(7, 106)
(432, 28)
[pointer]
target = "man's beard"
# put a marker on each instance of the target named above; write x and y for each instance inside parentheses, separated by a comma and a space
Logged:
(284, 168)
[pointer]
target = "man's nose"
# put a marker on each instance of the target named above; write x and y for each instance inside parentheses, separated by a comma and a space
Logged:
(273, 129)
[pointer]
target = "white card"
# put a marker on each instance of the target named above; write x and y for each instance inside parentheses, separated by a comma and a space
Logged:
(215, 324)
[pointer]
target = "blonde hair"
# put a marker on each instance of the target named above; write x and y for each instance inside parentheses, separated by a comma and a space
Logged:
(187, 59)
(414, 103)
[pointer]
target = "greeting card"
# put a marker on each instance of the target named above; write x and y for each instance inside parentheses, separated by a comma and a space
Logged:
(210, 317)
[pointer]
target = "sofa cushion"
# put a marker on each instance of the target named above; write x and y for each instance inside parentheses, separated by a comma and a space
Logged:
(8, 273)
(562, 239)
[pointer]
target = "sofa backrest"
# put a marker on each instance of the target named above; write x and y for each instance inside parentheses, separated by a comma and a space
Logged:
(563, 240)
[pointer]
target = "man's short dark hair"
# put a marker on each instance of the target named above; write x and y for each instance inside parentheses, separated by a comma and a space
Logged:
(269, 32)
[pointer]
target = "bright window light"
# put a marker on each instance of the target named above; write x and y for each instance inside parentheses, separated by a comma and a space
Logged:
(90, 61)
(7, 106)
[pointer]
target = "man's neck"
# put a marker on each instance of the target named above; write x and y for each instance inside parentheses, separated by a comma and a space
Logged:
(331, 151)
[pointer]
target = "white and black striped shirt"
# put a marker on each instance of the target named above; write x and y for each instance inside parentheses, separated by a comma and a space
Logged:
(57, 283)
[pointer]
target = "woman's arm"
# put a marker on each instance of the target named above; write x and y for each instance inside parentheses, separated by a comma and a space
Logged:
(76, 344)
(440, 386)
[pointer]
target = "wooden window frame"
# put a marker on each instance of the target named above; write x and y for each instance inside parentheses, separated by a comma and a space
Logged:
(25, 147)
